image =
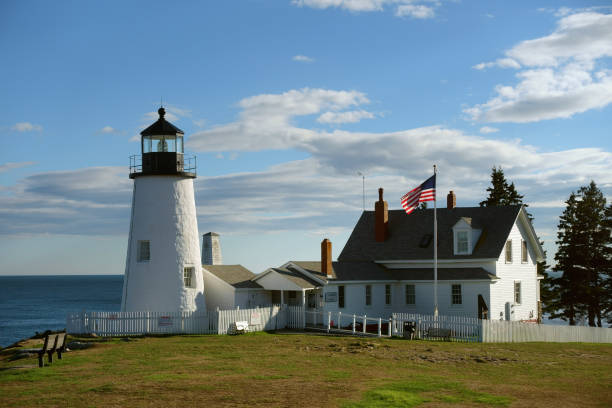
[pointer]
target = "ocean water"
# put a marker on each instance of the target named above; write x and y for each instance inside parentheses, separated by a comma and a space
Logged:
(30, 304)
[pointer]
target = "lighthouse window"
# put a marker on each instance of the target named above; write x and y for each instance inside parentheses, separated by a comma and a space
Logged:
(144, 251)
(188, 276)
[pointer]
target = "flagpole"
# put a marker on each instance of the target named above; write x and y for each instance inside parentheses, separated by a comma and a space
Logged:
(435, 252)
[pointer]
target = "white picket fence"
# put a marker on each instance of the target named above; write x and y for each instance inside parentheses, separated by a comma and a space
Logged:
(137, 323)
(274, 317)
(212, 322)
(454, 328)
(497, 331)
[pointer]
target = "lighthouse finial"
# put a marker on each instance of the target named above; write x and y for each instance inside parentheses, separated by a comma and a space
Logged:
(161, 112)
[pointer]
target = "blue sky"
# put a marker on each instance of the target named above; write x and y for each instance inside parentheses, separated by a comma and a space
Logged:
(284, 102)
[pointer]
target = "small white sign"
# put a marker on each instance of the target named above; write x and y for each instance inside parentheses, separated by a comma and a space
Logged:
(255, 318)
(164, 321)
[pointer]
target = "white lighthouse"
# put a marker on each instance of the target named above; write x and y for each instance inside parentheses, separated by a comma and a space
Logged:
(162, 268)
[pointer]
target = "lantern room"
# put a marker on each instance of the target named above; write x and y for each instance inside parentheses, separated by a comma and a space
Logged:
(162, 151)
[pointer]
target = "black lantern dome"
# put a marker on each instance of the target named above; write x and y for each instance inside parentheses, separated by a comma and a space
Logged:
(162, 151)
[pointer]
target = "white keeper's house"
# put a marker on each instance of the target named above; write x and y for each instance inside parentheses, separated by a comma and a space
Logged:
(487, 266)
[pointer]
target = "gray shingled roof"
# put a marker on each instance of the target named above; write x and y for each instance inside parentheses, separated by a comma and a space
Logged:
(236, 275)
(347, 271)
(314, 267)
(406, 233)
(297, 278)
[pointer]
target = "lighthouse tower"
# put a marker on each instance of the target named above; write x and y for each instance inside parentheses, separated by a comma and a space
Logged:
(162, 268)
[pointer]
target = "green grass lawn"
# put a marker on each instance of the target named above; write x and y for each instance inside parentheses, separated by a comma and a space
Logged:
(298, 370)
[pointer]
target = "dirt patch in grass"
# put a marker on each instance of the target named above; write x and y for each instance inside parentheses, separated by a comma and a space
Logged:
(280, 370)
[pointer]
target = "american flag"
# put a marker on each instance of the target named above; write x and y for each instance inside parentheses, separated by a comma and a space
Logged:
(425, 192)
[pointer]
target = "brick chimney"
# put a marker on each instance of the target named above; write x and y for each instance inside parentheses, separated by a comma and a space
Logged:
(381, 218)
(451, 200)
(326, 258)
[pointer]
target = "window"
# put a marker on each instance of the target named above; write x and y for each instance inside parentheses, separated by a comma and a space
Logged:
(410, 295)
(456, 295)
(341, 297)
(462, 242)
(387, 294)
(144, 251)
(188, 276)
(368, 295)
(523, 251)
(509, 251)
(292, 294)
(517, 293)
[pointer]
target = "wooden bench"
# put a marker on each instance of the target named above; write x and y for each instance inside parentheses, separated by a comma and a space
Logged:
(238, 327)
(60, 346)
(53, 343)
(437, 332)
(48, 348)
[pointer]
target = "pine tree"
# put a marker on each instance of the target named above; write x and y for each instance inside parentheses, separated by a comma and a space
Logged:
(583, 259)
(501, 193)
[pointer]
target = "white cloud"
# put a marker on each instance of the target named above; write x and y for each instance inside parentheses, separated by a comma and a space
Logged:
(487, 129)
(108, 130)
(26, 127)
(15, 165)
(302, 58)
(403, 8)
(501, 63)
(562, 73)
(266, 120)
(415, 11)
(345, 117)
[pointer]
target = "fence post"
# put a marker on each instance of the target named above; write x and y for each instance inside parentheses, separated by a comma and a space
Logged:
(389, 328)
(339, 320)
(353, 323)
(365, 323)
(328, 321)
(379, 326)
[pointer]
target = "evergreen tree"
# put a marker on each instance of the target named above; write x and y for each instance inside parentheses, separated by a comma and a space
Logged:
(583, 259)
(501, 193)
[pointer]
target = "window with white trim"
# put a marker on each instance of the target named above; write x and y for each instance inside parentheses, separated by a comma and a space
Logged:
(188, 273)
(410, 295)
(523, 251)
(368, 295)
(144, 251)
(462, 242)
(456, 295)
(509, 251)
(517, 292)
(387, 295)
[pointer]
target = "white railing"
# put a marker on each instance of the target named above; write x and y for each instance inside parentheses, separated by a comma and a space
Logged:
(138, 323)
(342, 322)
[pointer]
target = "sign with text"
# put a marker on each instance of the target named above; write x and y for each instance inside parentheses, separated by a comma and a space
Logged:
(331, 297)
(255, 318)
(164, 321)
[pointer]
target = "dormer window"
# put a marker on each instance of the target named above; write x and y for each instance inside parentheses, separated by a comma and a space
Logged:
(464, 236)
(462, 242)
(462, 239)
